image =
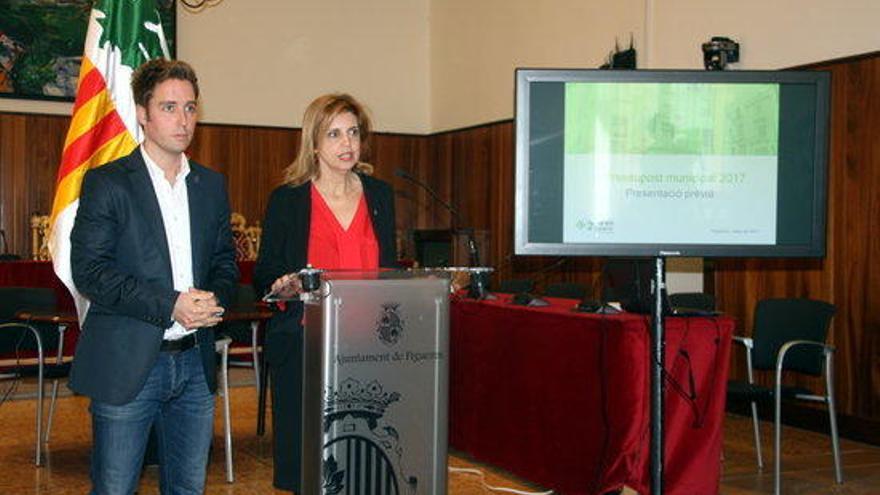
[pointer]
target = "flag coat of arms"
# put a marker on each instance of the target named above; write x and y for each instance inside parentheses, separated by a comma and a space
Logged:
(121, 35)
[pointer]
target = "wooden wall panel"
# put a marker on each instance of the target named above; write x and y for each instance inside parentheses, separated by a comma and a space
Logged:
(30, 150)
(252, 158)
(390, 152)
(478, 166)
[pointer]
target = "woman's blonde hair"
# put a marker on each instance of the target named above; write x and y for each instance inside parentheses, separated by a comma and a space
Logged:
(316, 121)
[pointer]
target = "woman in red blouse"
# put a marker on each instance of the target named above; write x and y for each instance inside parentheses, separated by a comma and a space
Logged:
(331, 214)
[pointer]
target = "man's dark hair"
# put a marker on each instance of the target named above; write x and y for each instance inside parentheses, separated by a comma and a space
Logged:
(156, 71)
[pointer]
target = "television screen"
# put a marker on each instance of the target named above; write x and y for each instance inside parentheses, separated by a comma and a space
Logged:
(671, 163)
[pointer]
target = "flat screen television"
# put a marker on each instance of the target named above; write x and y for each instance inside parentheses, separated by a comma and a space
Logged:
(671, 163)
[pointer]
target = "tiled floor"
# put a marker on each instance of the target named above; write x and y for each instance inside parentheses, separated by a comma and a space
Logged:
(807, 460)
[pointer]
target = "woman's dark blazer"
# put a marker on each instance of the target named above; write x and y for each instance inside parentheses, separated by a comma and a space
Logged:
(284, 249)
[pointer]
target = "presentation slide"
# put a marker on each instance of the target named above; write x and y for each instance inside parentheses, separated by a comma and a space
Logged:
(670, 163)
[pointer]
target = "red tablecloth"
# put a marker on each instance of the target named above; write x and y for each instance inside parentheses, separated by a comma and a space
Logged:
(562, 399)
(35, 274)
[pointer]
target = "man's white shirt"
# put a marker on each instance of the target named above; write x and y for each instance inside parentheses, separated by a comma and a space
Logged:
(174, 205)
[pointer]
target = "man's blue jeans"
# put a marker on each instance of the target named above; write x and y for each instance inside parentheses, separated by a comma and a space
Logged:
(176, 400)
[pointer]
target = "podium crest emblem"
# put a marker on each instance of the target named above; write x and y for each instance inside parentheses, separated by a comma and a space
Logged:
(362, 453)
(389, 327)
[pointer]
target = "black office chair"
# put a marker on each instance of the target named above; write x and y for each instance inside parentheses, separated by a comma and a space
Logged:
(788, 335)
(699, 301)
(22, 340)
(569, 290)
(234, 339)
(516, 286)
(221, 346)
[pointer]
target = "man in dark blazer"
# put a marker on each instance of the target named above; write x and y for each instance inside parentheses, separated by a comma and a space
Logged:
(151, 249)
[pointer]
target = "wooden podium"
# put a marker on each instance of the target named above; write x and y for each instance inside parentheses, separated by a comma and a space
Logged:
(375, 384)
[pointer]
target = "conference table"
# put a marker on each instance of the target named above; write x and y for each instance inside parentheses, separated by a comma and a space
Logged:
(562, 398)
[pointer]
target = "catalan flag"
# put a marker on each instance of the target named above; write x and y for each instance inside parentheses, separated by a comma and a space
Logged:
(122, 34)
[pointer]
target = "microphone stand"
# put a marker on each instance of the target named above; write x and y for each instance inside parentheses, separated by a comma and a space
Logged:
(479, 278)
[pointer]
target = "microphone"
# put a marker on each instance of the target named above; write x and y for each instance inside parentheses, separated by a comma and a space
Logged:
(473, 254)
(545, 271)
(406, 175)
(526, 299)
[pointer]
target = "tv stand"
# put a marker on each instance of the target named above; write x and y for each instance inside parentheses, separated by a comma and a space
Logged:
(658, 349)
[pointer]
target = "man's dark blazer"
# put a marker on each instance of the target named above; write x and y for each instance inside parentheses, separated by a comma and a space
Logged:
(121, 263)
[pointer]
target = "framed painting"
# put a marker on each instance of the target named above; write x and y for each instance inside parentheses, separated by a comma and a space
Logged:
(41, 45)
